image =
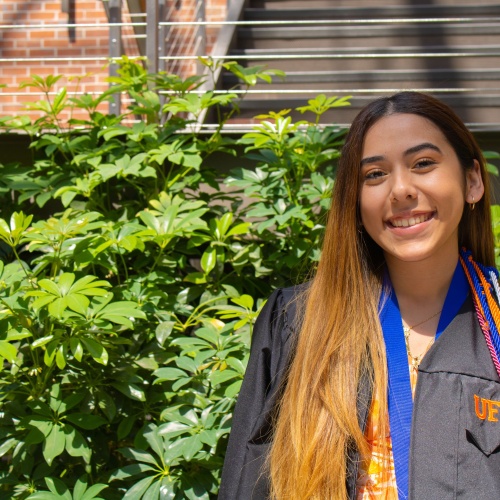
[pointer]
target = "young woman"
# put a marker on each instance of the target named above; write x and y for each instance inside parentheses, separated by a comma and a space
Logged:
(380, 379)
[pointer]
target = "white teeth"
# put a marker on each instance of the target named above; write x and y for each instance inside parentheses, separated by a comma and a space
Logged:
(412, 221)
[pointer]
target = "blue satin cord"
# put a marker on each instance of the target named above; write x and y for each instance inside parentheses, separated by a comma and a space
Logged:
(399, 391)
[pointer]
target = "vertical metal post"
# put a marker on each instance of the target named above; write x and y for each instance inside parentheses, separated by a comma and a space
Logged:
(152, 35)
(115, 48)
(72, 20)
(162, 40)
(162, 35)
(201, 38)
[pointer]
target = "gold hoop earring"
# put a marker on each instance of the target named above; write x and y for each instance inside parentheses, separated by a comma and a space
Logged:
(473, 204)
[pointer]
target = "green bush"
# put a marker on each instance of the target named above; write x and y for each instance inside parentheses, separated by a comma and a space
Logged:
(133, 268)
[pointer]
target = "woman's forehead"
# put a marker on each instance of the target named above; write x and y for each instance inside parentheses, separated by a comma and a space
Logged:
(401, 133)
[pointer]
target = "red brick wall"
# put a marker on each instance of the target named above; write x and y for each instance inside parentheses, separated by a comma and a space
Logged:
(29, 44)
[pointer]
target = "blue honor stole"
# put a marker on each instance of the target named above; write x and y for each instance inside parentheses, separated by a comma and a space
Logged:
(400, 399)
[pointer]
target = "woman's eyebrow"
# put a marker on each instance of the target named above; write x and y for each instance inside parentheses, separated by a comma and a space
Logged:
(409, 151)
(371, 159)
(420, 147)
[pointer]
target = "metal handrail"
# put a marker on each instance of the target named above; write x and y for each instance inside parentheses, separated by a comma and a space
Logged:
(340, 56)
(338, 22)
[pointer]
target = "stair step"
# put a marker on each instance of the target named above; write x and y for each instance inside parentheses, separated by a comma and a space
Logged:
(277, 100)
(367, 63)
(355, 52)
(381, 12)
(479, 112)
(434, 30)
(431, 75)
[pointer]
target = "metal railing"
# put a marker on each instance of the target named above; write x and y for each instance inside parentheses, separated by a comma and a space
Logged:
(174, 44)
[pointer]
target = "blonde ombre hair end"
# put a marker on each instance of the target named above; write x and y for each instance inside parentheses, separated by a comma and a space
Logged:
(340, 340)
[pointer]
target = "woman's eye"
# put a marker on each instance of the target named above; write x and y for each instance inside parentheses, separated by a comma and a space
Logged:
(425, 163)
(374, 174)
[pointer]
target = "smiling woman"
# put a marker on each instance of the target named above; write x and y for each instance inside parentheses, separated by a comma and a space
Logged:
(364, 383)
(414, 188)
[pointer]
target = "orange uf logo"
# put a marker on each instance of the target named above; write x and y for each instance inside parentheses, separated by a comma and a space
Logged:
(486, 408)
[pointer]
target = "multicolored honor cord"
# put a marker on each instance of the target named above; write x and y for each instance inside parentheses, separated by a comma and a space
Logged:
(483, 281)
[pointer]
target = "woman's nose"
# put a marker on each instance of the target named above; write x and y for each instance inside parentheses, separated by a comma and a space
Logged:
(403, 187)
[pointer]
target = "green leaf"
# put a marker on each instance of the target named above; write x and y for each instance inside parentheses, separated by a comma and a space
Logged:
(7, 445)
(192, 446)
(76, 348)
(57, 307)
(93, 491)
(132, 391)
(8, 351)
(85, 420)
(54, 444)
(234, 389)
(42, 341)
(138, 456)
(245, 301)
(96, 350)
(125, 426)
(242, 228)
(88, 285)
(138, 489)
(44, 495)
(163, 331)
(61, 356)
(173, 429)
(78, 303)
(154, 439)
(208, 260)
(80, 487)
(13, 335)
(65, 282)
(75, 444)
(224, 224)
(197, 278)
(72, 400)
(169, 373)
(43, 425)
(124, 308)
(168, 489)
(129, 471)
(50, 287)
(41, 301)
(219, 377)
(57, 487)
(107, 405)
(153, 492)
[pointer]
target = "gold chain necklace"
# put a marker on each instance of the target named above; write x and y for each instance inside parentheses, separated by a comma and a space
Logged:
(415, 360)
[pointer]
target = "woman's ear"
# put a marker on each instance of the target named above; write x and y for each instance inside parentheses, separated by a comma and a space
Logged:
(474, 184)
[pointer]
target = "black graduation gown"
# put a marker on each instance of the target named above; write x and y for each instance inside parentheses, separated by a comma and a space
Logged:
(455, 452)
(244, 473)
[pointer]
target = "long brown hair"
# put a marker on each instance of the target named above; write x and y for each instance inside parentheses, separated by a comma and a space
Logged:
(341, 340)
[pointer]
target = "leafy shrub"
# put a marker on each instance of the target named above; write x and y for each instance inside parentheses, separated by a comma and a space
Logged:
(132, 272)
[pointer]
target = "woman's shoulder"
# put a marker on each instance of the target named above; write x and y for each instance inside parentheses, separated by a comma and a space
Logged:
(284, 304)
(279, 319)
(291, 297)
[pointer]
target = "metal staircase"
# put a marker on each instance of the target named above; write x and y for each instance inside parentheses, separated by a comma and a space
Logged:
(364, 49)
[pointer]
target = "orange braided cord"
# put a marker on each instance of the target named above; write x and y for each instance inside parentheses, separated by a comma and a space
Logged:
(494, 310)
(471, 285)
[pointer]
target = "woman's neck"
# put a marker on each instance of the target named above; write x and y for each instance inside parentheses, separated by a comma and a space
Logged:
(421, 287)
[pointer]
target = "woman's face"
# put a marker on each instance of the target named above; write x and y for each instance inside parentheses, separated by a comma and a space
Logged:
(413, 188)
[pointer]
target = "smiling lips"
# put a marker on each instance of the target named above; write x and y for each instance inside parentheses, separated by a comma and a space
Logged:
(410, 221)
